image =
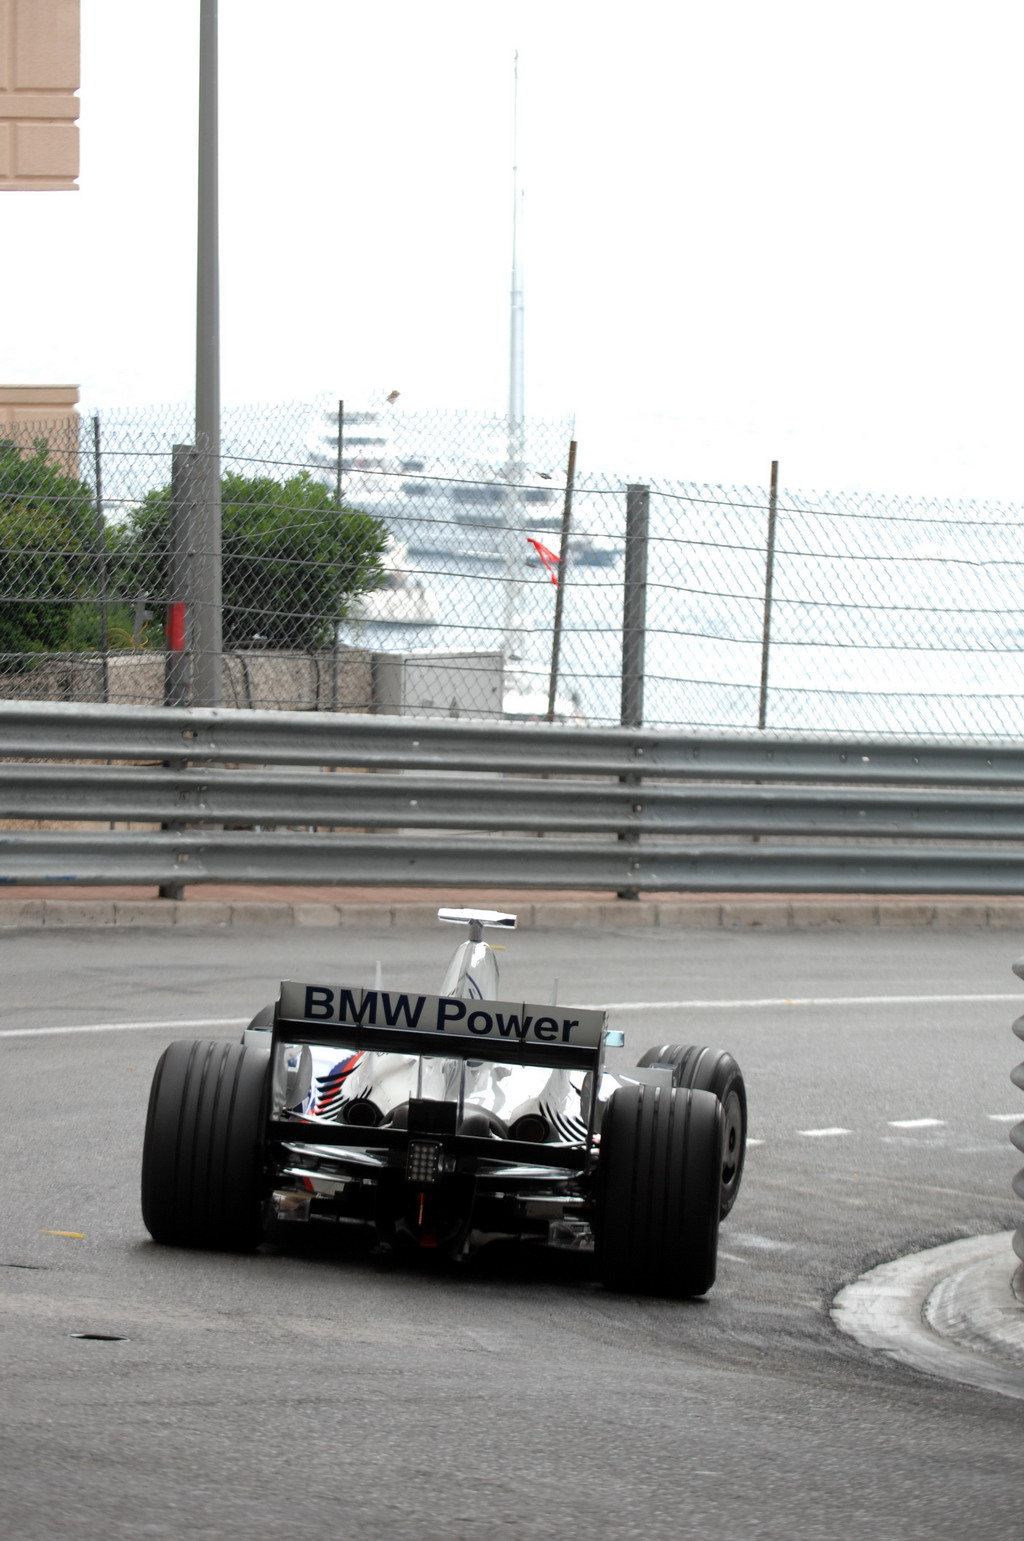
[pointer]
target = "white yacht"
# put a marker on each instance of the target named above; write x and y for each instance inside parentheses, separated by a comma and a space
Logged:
(365, 440)
(431, 504)
(403, 599)
(586, 547)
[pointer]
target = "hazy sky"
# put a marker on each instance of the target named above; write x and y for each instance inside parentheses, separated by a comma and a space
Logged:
(759, 229)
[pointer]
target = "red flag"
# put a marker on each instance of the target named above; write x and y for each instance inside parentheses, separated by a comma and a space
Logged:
(547, 557)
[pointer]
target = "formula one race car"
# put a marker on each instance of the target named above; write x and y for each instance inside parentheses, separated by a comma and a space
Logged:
(447, 1121)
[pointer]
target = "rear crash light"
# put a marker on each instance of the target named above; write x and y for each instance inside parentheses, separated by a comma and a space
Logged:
(422, 1162)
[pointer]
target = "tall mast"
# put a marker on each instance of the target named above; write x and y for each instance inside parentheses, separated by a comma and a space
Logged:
(515, 361)
(513, 542)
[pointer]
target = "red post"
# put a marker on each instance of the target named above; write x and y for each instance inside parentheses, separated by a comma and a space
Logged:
(176, 626)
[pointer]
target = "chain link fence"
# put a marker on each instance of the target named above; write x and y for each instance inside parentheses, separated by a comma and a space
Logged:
(377, 559)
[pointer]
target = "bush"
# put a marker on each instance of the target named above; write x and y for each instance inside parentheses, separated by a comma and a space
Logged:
(291, 560)
(34, 481)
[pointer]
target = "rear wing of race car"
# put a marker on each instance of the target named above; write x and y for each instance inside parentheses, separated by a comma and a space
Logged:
(441, 1026)
(437, 1027)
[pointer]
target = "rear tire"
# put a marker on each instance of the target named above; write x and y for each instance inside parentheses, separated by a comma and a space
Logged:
(712, 1070)
(658, 1180)
(202, 1159)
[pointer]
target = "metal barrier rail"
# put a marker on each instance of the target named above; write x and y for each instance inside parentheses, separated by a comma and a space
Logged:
(270, 797)
(75, 731)
(195, 856)
(422, 800)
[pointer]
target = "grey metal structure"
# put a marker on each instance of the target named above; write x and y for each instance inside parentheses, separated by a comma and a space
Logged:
(634, 606)
(301, 797)
(206, 595)
(1017, 1132)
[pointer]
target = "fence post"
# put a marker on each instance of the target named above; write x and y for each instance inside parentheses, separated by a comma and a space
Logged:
(205, 597)
(563, 569)
(769, 579)
(513, 546)
(634, 631)
(634, 606)
(101, 560)
(340, 467)
(338, 484)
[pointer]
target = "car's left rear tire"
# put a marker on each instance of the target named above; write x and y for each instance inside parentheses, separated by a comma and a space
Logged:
(202, 1159)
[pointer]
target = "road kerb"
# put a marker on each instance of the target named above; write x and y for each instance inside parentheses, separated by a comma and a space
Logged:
(950, 1311)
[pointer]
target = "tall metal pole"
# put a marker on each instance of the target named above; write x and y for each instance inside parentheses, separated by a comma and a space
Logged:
(206, 615)
(769, 581)
(516, 373)
(513, 545)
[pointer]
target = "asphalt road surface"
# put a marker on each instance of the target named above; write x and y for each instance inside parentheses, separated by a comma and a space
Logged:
(510, 1398)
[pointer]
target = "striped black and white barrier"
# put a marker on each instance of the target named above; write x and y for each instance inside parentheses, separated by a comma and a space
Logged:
(1017, 1132)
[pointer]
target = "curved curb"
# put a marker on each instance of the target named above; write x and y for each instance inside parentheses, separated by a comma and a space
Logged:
(951, 1311)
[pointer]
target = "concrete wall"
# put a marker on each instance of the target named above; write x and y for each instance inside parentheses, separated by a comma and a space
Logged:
(39, 75)
(265, 680)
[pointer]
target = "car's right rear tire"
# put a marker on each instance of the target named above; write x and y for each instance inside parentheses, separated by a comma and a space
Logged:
(657, 1199)
(712, 1070)
(202, 1159)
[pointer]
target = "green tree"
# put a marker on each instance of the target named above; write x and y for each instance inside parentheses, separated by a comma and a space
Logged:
(35, 480)
(47, 530)
(291, 559)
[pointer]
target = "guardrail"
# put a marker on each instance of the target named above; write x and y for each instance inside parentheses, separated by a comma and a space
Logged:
(276, 797)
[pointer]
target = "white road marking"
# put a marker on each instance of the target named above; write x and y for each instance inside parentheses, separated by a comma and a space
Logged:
(799, 1000)
(754, 1142)
(819, 1134)
(760, 1243)
(916, 1123)
(725, 1005)
(124, 1027)
(1006, 1118)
